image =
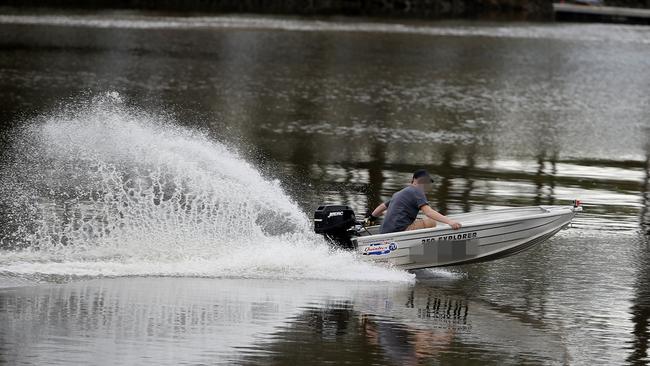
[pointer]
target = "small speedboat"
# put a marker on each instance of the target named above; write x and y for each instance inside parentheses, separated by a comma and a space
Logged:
(484, 236)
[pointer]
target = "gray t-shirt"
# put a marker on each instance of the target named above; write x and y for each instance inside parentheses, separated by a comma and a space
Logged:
(403, 208)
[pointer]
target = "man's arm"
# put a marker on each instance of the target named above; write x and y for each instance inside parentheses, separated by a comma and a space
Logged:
(379, 210)
(435, 215)
(372, 218)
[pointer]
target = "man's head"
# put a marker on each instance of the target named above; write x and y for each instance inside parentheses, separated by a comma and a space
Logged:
(422, 179)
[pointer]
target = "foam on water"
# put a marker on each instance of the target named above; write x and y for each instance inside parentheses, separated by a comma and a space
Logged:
(440, 274)
(102, 189)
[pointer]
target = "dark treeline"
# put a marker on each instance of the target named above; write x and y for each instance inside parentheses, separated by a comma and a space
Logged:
(629, 3)
(522, 9)
(424, 9)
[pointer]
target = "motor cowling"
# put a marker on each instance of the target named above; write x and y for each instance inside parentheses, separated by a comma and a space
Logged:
(336, 223)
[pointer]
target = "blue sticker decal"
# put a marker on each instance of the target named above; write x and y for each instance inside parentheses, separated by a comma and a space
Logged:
(381, 248)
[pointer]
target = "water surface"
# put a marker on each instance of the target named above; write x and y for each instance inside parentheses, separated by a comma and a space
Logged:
(158, 174)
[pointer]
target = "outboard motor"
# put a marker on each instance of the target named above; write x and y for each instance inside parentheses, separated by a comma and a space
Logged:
(336, 223)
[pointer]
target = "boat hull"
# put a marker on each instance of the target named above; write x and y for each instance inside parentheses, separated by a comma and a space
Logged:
(485, 236)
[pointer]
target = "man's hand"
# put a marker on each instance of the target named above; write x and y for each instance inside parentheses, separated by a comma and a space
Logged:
(369, 220)
(454, 224)
(435, 215)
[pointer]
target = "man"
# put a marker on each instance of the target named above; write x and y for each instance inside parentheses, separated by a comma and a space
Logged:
(404, 206)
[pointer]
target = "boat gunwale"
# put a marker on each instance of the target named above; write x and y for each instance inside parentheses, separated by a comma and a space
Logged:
(548, 211)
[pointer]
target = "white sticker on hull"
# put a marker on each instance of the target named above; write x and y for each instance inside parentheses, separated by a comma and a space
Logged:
(381, 248)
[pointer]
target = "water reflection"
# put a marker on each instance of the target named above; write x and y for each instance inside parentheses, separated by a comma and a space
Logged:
(410, 327)
(127, 321)
(254, 321)
(645, 192)
(545, 178)
(443, 190)
(640, 309)
(641, 302)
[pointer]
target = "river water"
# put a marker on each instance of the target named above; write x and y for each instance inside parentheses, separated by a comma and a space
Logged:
(158, 174)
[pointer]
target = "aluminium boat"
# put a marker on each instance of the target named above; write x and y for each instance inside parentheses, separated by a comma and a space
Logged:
(484, 236)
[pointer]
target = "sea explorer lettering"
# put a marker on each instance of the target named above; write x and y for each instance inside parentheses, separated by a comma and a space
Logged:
(463, 236)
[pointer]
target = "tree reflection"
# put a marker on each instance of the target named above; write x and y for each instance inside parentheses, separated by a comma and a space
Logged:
(641, 302)
(445, 170)
(641, 311)
(376, 174)
(545, 177)
(645, 193)
(470, 164)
